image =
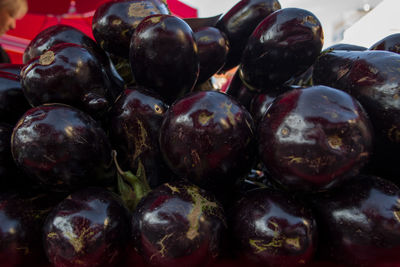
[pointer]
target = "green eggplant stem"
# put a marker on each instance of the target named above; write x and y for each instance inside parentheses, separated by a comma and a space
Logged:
(132, 188)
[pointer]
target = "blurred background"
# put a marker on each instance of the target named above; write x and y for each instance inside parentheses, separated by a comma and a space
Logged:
(359, 22)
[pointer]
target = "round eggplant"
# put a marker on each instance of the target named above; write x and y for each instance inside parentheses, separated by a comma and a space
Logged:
(114, 22)
(207, 137)
(91, 227)
(359, 222)
(284, 44)
(62, 148)
(239, 22)
(178, 224)
(163, 56)
(271, 228)
(311, 139)
(70, 74)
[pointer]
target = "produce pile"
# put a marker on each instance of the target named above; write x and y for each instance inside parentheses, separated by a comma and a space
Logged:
(118, 151)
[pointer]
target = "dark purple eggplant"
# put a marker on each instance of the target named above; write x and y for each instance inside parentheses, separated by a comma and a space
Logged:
(60, 33)
(135, 124)
(312, 139)
(271, 228)
(62, 148)
(373, 78)
(70, 74)
(213, 47)
(389, 43)
(163, 56)
(178, 224)
(239, 22)
(11, 68)
(21, 220)
(358, 223)
(207, 137)
(114, 22)
(284, 44)
(13, 103)
(91, 227)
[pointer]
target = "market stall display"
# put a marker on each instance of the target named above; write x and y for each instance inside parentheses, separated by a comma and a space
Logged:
(119, 147)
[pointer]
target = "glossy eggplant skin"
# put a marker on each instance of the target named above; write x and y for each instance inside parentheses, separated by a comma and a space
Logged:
(359, 222)
(62, 148)
(178, 224)
(13, 103)
(135, 120)
(163, 56)
(372, 77)
(284, 44)
(57, 34)
(114, 22)
(389, 43)
(239, 22)
(60, 33)
(70, 74)
(311, 139)
(213, 48)
(91, 227)
(271, 228)
(208, 138)
(21, 220)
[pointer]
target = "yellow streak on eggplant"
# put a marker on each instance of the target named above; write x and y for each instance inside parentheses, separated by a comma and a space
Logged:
(116, 22)
(293, 159)
(163, 249)
(195, 216)
(294, 242)
(52, 235)
(335, 142)
(78, 242)
(204, 118)
(174, 189)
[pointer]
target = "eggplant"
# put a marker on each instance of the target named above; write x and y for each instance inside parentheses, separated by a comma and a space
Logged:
(178, 224)
(208, 138)
(373, 78)
(239, 22)
(70, 74)
(164, 56)
(115, 22)
(312, 139)
(284, 44)
(271, 228)
(62, 148)
(358, 222)
(91, 227)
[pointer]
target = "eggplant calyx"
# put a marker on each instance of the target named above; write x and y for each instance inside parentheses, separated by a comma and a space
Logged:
(132, 188)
